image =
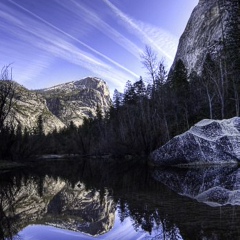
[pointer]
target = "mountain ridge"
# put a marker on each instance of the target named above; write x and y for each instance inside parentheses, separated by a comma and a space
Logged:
(60, 104)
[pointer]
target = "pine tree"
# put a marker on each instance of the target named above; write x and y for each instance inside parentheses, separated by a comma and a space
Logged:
(180, 88)
(117, 99)
(40, 130)
(180, 82)
(99, 114)
(139, 88)
(129, 94)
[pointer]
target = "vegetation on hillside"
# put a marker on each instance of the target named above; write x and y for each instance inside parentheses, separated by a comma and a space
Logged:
(141, 119)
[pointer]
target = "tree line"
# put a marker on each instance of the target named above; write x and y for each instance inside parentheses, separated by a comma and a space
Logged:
(142, 118)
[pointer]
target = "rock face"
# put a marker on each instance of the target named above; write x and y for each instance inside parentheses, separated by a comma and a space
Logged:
(28, 106)
(207, 142)
(77, 100)
(214, 24)
(61, 104)
(215, 186)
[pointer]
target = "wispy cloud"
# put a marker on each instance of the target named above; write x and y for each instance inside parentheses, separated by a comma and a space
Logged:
(163, 42)
(37, 32)
(75, 39)
(95, 21)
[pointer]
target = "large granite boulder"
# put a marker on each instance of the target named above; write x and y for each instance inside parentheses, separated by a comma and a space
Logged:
(207, 142)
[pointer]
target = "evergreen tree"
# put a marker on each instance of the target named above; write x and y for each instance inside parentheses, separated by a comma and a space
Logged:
(180, 89)
(117, 99)
(139, 88)
(179, 80)
(40, 130)
(161, 76)
(99, 114)
(129, 96)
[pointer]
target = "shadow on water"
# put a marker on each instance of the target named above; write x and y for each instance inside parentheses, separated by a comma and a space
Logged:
(83, 196)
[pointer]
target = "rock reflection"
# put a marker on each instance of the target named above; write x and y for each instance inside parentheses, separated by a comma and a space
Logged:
(83, 210)
(54, 201)
(215, 185)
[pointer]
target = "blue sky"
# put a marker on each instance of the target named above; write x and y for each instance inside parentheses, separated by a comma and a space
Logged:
(49, 42)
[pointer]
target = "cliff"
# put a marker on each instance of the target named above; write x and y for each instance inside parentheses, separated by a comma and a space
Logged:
(214, 27)
(27, 107)
(77, 100)
(59, 105)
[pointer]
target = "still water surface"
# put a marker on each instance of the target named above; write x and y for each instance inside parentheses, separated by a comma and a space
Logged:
(99, 199)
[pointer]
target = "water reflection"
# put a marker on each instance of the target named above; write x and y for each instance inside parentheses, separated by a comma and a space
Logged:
(214, 185)
(110, 200)
(50, 200)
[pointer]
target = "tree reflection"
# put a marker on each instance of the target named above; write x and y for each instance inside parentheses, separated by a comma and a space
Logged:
(8, 217)
(148, 219)
(151, 206)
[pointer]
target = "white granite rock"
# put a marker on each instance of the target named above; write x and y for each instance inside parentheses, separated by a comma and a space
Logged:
(207, 142)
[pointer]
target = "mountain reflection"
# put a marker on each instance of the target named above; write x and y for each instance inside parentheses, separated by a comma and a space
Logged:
(83, 196)
(54, 201)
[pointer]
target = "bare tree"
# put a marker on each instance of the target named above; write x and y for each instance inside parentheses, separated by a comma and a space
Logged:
(149, 61)
(158, 75)
(234, 72)
(207, 81)
(7, 92)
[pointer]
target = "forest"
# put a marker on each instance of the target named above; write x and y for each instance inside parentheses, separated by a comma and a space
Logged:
(144, 117)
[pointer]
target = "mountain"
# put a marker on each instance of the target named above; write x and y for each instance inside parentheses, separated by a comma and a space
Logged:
(59, 105)
(28, 106)
(76, 100)
(214, 28)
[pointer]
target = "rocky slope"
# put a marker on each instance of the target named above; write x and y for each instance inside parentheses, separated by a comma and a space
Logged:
(26, 109)
(77, 100)
(207, 142)
(59, 105)
(213, 25)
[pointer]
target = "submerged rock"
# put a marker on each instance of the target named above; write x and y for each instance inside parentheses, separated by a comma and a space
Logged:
(207, 142)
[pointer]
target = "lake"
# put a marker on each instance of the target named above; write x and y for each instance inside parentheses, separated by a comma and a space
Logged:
(120, 199)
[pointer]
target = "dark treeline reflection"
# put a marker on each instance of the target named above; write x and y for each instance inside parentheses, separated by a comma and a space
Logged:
(134, 193)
